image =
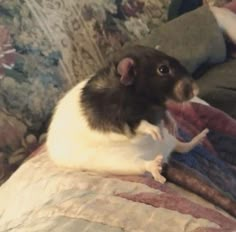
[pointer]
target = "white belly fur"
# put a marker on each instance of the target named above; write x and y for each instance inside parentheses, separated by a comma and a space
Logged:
(71, 143)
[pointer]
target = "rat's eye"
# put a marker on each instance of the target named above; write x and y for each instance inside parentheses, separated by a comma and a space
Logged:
(163, 69)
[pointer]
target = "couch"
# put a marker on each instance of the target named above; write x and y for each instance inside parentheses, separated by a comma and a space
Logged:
(49, 46)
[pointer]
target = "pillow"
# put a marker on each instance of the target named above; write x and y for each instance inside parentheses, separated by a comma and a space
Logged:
(218, 87)
(193, 38)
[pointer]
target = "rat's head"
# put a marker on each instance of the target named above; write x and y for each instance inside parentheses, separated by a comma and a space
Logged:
(154, 74)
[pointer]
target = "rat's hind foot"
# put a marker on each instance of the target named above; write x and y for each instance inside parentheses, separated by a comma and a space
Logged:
(184, 147)
(155, 168)
(147, 128)
(199, 138)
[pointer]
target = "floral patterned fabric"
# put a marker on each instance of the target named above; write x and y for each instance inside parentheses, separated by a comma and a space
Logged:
(46, 46)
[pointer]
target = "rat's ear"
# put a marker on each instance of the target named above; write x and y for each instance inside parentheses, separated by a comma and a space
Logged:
(126, 70)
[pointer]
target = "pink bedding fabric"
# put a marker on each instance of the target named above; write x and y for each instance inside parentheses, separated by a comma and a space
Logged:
(208, 170)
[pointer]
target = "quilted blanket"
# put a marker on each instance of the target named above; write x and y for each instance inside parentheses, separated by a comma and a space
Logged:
(42, 197)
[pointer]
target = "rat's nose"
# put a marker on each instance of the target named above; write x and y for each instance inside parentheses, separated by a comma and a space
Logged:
(186, 89)
(195, 89)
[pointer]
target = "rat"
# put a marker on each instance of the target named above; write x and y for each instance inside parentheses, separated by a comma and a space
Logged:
(112, 122)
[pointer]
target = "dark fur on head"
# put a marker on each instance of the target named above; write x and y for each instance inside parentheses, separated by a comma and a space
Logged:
(134, 87)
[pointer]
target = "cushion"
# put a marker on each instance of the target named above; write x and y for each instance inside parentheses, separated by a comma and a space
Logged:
(218, 87)
(193, 38)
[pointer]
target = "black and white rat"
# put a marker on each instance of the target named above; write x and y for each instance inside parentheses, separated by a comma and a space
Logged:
(110, 122)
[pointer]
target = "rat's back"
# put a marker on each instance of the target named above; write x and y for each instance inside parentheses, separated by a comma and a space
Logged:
(68, 128)
(71, 143)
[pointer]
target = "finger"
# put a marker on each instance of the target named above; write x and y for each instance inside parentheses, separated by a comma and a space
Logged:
(160, 179)
(156, 135)
(159, 159)
(205, 131)
(159, 136)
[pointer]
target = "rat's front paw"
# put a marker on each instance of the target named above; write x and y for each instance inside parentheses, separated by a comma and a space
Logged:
(170, 124)
(149, 129)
